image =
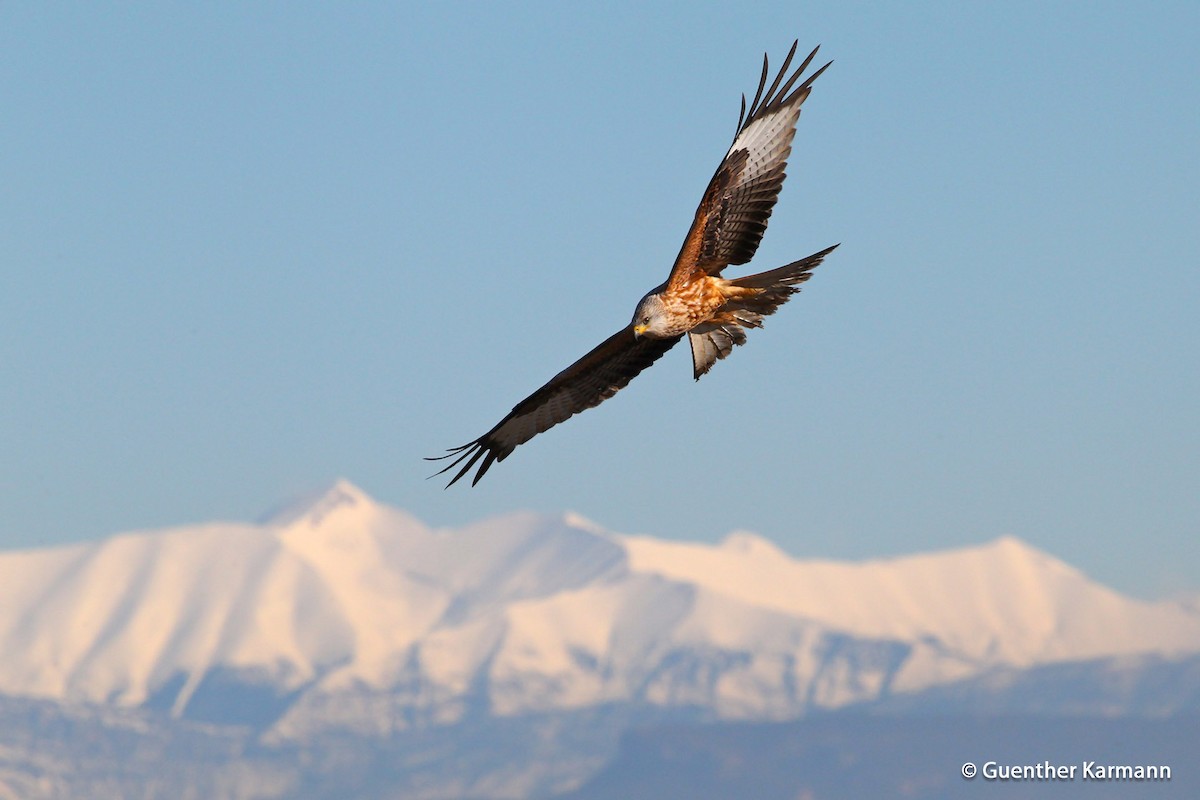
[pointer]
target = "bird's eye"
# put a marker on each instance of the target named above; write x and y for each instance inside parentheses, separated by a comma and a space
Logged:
(645, 320)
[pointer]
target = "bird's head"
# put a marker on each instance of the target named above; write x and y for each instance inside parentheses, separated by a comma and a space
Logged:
(650, 318)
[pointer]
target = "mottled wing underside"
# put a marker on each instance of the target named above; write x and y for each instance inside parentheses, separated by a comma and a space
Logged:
(588, 382)
(733, 213)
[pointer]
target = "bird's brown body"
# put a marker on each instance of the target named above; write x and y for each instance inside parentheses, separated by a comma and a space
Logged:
(697, 301)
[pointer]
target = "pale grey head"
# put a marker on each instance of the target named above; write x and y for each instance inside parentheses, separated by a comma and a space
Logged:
(651, 319)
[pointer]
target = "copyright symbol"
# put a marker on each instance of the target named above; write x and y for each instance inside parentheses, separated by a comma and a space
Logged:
(968, 770)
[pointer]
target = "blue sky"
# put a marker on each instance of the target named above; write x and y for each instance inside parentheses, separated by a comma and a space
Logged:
(248, 248)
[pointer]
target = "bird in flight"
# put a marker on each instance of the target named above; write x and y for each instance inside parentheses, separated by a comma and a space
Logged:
(695, 301)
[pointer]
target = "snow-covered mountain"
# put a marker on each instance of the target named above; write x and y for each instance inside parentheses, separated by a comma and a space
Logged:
(342, 648)
(339, 595)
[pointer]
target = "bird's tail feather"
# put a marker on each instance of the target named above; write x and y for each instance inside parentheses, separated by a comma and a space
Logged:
(775, 287)
(767, 292)
(787, 275)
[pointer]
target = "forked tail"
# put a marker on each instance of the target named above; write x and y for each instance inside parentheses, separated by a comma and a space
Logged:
(768, 291)
(785, 277)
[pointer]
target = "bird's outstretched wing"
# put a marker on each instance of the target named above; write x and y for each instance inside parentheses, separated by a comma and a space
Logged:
(588, 382)
(733, 213)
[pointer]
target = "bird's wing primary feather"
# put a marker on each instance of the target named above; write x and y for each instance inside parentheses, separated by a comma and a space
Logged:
(733, 213)
(588, 382)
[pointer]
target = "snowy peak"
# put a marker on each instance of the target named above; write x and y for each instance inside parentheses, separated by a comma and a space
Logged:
(1003, 602)
(312, 509)
(751, 544)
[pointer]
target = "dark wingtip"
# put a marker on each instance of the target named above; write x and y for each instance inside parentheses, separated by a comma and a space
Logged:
(469, 452)
(487, 463)
(781, 92)
(450, 451)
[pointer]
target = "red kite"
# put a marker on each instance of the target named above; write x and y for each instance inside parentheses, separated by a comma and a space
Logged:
(695, 300)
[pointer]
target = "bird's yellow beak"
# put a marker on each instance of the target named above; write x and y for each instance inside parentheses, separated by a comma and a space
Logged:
(638, 330)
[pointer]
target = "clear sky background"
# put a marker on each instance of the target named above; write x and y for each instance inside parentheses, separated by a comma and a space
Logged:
(247, 248)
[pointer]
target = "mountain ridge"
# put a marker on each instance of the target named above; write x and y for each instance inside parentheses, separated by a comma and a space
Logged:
(530, 612)
(344, 648)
